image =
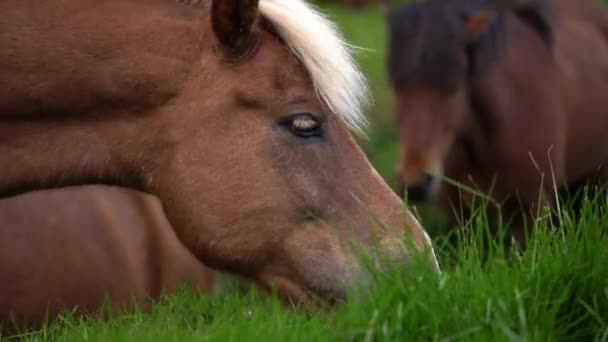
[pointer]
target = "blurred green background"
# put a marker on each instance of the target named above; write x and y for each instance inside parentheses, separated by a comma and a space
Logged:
(365, 28)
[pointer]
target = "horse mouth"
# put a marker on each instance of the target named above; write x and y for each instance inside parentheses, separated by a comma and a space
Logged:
(293, 294)
(330, 298)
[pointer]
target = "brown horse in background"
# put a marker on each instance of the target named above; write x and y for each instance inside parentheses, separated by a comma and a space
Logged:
(234, 113)
(357, 4)
(506, 97)
(70, 249)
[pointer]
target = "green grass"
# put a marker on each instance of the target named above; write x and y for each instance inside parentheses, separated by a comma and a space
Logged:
(556, 290)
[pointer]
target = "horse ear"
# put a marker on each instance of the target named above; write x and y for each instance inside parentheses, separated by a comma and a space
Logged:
(476, 23)
(232, 21)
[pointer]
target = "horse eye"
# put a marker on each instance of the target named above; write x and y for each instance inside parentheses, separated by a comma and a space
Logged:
(304, 125)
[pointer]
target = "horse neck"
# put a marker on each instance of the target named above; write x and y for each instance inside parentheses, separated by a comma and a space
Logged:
(85, 111)
(45, 153)
(130, 54)
(507, 96)
(522, 67)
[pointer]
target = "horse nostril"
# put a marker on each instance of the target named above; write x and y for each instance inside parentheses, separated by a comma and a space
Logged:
(422, 191)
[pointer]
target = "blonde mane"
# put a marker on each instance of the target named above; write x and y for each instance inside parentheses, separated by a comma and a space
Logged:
(317, 43)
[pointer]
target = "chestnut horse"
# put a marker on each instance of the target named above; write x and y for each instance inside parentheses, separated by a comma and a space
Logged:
(71, 249)
(234, 113)
(499, 97)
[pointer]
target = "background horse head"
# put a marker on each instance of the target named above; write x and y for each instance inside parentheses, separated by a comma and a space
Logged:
(493, 95)
(436, 49)
(236, 114)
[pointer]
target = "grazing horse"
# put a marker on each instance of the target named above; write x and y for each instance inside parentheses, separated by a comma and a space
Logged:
(499, 96)
(234, 113)
(72, 248)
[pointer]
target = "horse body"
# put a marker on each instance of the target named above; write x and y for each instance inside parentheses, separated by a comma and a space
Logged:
(517, 110)
(67, 249)
(584, 83)
(550, 103)
(525, 125)
(235, 114)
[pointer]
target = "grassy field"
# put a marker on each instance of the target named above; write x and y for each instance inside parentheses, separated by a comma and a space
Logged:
(556, 290)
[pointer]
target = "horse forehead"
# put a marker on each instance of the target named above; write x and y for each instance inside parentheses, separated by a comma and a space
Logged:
(277, 63)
